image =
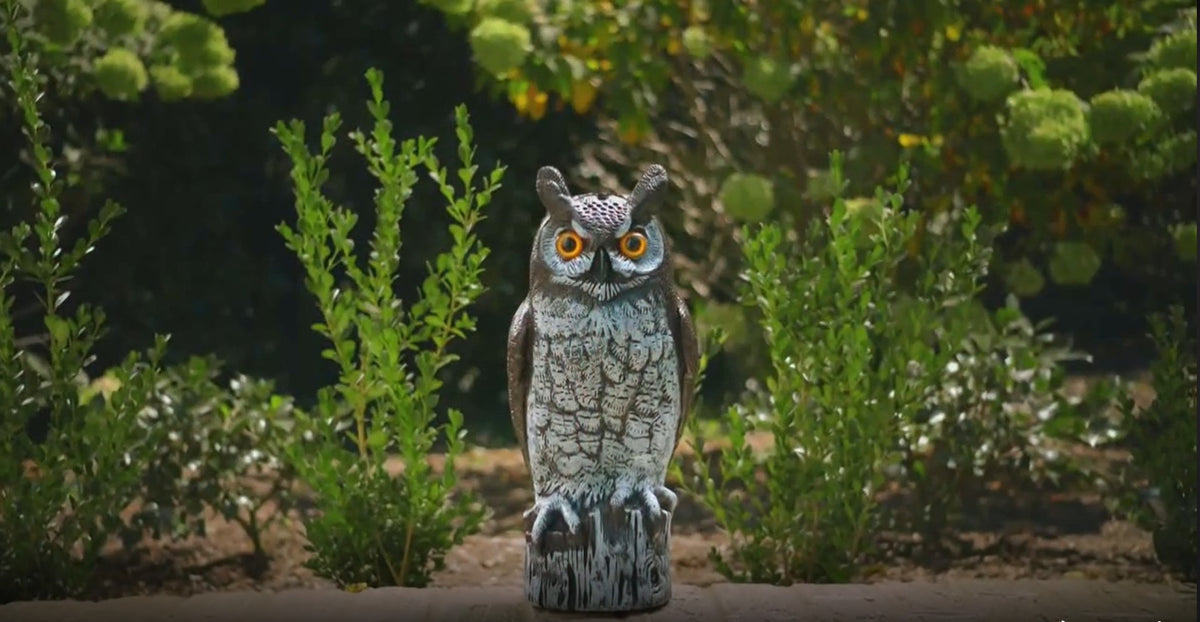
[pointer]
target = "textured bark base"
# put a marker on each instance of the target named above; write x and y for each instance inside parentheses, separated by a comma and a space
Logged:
(616, 562)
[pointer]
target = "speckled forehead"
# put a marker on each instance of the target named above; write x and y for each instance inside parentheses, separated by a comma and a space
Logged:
(604, 214)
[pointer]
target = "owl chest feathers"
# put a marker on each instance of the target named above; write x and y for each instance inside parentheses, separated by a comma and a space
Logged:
(604, 395)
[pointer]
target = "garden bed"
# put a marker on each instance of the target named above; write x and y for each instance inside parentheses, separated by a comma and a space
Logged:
(1014, 535)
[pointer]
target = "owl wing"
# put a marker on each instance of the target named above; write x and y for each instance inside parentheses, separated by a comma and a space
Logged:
(687, 350)
(520, 341)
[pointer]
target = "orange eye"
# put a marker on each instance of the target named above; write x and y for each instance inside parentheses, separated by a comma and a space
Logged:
(569, 245)
(633, 245)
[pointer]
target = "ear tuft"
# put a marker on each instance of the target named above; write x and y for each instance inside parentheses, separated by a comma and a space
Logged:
(649, 193)
(552, 190)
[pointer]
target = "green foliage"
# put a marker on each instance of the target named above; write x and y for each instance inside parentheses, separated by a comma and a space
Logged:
(375, 527)
(499, 45)
(986, 102)
(1045, 129)
(1185, 241)
(1162, 440)
(120, 74)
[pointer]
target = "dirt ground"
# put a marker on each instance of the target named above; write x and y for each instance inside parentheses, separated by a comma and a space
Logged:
(1056, 536)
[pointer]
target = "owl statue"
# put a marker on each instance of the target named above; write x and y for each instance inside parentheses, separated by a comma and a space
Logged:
(602, 355)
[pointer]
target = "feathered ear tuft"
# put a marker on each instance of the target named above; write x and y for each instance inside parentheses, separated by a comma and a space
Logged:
(552, 190)
(648, 194)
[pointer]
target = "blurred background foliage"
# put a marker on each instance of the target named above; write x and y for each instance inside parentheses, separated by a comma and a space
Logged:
(1071, 121)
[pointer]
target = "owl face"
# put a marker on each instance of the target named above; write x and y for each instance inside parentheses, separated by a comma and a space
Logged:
(600, 245)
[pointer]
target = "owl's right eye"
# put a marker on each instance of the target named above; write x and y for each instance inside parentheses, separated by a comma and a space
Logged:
(569, 245)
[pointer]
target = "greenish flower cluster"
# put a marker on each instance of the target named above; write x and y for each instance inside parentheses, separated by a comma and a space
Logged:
(221, 8)
(500, 45)
(201, 53)
(1073, 263)
(989, 74)
(189, 55)
(118, 18)
(451, 7)
(747, 197)
(62, 21)
(1118, 115)
(697, 42)
(767, 78)
(1174, 90)
(1045, 129)
(514, 11)
(120, 74)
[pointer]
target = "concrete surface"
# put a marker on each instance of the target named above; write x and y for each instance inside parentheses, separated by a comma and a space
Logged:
(942, 601)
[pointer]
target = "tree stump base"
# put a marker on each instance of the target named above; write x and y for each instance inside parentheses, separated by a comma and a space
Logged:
(615, 562)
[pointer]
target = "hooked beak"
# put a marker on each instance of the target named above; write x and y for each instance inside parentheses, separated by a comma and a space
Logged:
(601, 267)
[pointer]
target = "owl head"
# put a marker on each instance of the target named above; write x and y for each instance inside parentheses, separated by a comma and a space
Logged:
(599, 245)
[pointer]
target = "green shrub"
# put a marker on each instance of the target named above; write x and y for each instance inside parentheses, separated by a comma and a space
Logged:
(1162, 440)
(375, 528)
(847, 329)
(60, 496)
(168, 443)
(219, 447)
(998, 412)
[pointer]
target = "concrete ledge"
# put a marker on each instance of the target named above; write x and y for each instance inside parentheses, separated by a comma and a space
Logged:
(943, 601)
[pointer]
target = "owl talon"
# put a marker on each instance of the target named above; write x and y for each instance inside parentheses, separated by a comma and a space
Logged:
(653, 501)
(543, 512)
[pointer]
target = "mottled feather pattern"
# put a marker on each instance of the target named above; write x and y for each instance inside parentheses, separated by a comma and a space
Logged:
(603, 214)
(603, 400)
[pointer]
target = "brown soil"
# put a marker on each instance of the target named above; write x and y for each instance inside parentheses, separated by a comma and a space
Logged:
(1020, 536)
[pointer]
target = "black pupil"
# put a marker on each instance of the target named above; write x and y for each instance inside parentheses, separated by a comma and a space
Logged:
(569, 244)
(633, 244)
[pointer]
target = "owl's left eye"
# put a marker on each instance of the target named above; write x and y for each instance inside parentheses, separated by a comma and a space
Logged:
(633, 245)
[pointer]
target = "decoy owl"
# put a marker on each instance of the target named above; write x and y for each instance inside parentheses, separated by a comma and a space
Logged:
(602, 355)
